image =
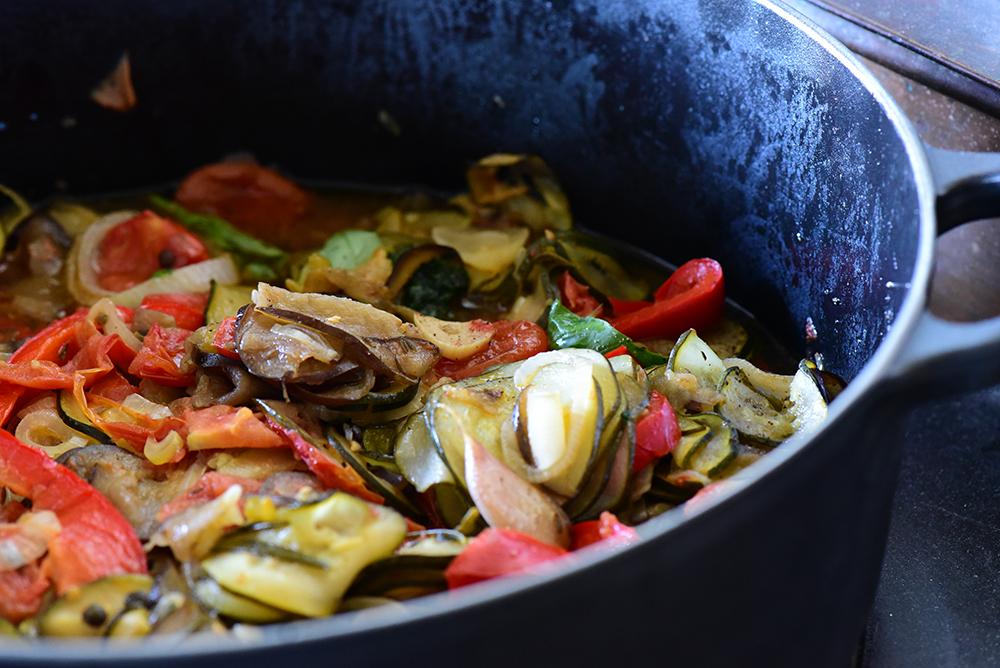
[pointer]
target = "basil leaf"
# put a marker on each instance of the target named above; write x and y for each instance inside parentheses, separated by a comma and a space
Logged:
(220, 234)
(350, 248)
(568, 330)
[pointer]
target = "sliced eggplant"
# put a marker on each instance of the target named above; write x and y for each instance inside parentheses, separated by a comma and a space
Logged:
(74, 417)
(694, 356)
(90, 610)
(749, 411)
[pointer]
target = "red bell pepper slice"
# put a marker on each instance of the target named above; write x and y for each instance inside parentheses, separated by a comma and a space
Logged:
(224, 338)
(576, 296)
(692, 297)
(620, 307)
(512, 341)
(187, 309)
(656, 432)
(331, 473)
(497, 553)
(160, 357)
(607, 530)
(95, 540)
(616, 352)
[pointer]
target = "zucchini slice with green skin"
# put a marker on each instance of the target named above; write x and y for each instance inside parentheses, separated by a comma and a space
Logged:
(238, 608)
(807, 405)
(224, 301)
(750, 412)
(694, 435)
(393, 496)
(774, 386)
(70, 412)
(417, 458)
(716, 452)
(694, 356)
(90, 610)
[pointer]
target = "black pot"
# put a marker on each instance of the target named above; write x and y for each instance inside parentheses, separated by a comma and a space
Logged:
(727, 128)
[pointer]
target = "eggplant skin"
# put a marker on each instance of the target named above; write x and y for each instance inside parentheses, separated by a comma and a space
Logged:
(300, 350)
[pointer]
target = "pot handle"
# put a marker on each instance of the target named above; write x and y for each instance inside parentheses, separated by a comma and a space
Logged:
(943, 356)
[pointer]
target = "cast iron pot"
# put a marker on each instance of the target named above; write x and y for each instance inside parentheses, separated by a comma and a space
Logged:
(727, 128)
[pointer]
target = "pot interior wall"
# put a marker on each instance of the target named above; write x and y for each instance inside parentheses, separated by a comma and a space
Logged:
(687, 128)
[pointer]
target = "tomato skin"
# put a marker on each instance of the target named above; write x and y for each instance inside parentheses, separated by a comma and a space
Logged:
(253, 198)
(497, 553)
(21, 592)
(160, 357)
(692, 297)
(512, 341)
(576, 296)
(224, 339)
(607, 530)
(135, 249)
(332, 474)
(95, 540)
(187, 309)
(656, 432)
(219, 427)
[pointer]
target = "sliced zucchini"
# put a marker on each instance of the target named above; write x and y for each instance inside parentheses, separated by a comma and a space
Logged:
(749, 411)
(774, 386)
(392, 495)
(342, 531)
(238, 608)
(417, 458)
(434, 543)
(402, 577)
(89, 610)
(807, 405)
(694, 435)
(676, 487)
(454, 506)
(716, 452)
(224, 301)
(481, 407)
(72, 414)
(130, 623)
(694, 356)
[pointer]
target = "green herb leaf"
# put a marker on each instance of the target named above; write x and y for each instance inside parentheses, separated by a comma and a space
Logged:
(568, 330)
(220, 234)
(435, 288)
(350, 248)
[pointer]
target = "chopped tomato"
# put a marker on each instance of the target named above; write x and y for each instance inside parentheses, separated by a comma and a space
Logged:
(224, 339)
(512, 341)
(332, 474)
(228, 427)
(693, 296)
(210, 486)
(576, 296)
(253, 198)
(55, 343)
(95, 540)
(656, 432)
(187, 309)
(137, 248)
(496, 553)
(607, 530)
(21, 592)
(113, 386)
(620, 350)
(161, 355)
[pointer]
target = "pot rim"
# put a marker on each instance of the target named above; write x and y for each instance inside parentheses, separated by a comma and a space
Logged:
(438, 605)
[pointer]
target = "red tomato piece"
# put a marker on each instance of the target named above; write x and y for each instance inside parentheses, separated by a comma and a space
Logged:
(332, 474)
(497, 553)
(253, 198)
(135, 249)
(224, 339)
(620, 350)
(160, 357)
(218, 427)
(512, 341)
(693, 296)
(113, 386)
(95, 539)
(209, 486)
(576, 296)
(608, 530)
(656, 432)
(21, 592)
(187, 309)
